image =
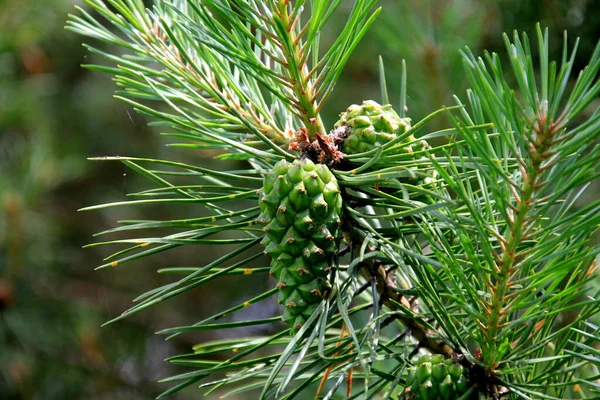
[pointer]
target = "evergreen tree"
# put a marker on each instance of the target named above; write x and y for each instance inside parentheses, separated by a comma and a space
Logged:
(405, 268)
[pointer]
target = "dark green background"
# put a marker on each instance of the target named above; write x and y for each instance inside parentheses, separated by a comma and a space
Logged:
(54, 114)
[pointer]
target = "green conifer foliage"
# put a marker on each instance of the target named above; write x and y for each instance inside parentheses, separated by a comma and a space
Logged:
(468, 242)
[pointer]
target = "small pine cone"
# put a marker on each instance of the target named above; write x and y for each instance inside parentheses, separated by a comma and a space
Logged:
(434, 377)
(371, 125)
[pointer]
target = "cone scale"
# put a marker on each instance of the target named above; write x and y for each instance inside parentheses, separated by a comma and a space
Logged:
(300, 206)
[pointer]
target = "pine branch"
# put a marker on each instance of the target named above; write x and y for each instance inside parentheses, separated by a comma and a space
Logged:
(538, 137)
(214, 72)
(480, 231)
(391, 297)
(291, 46)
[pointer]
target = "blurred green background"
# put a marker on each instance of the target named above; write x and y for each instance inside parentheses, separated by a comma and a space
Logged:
(54, 114)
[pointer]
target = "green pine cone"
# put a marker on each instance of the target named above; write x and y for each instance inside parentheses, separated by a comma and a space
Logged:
(371, 125)
(300, 206)
(434, 377)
